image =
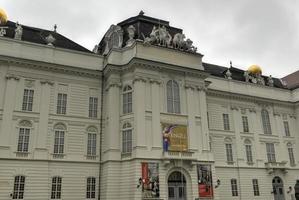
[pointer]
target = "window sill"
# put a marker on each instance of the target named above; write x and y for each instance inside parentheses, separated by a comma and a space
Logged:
(250, 163)
(91, 157)
(58, 156)
(126, 155)
(21, 154)
(230, 162)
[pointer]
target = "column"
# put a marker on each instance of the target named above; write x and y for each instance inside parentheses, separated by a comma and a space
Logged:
(40, 150)
(139, 111)
(156, 124)
(192, 131)
(8, 108)
(204, 118)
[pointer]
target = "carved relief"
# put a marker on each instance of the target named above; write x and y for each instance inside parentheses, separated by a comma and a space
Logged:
(29, 83)
(113, 38)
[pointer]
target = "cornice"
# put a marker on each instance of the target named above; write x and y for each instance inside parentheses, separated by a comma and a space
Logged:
(50, 67)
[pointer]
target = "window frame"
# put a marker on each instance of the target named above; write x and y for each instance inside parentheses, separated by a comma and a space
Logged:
(93, 107)
(91, 146)
(28, 95)
(249, 154)
(229, 152)
(256, 189)
(226, 122)
(90, 188)
(291, 155)
(173, 97)
(23, 140)
(19, 187)
(270, 151)
(234, 187)
(61, 104)
(266, 122)
(56, 187)
(286, 128)
(127, 95)
(127, 138)
(245, 124)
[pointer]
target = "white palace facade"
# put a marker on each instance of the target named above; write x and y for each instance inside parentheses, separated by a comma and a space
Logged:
(139, 117)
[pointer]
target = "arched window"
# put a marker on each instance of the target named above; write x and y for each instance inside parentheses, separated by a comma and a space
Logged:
(266, 122)
(19, 187)
(127, 99)
(248, 150)
(56, 187)
(91, 142)
(24, 135)
(127, 138)
(173, 97)
(59, 137)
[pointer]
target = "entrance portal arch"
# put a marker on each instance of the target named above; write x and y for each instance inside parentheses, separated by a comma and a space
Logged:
(278, 191)
(177, 186)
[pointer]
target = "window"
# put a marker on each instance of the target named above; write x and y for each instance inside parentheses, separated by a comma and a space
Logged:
(245, 124)
(255, 185)
(127, 100)
(286, 128)
(19, 186)
(61, 103)
(234, 187)
(91, 142)
(249, 153)
(93, 107)
(23, 141)
(59, 139)
(127, 138)
(91, 188)
(266, 122)
(173, 97)
(226, 122)
(229, 153)
(27, 100)
(270, 152)
(291, 156)
(56, 188)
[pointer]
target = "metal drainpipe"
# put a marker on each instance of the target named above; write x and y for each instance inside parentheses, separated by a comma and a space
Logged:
(101, 134)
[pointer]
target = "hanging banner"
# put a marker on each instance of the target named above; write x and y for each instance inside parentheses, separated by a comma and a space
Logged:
(205, 184)
(175, 137)
(150, 180)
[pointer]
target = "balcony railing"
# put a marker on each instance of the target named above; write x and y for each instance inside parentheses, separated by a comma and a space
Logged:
(179, 155)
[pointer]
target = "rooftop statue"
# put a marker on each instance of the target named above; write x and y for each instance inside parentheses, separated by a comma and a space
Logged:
(18, 32)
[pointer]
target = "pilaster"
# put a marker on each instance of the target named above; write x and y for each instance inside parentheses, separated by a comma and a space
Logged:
(193, 135)
(204, 118)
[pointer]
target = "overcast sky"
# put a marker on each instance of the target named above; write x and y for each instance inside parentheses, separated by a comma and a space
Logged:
(263, 32)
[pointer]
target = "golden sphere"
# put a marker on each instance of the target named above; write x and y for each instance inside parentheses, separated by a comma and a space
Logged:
(255, 69)
(3, 17)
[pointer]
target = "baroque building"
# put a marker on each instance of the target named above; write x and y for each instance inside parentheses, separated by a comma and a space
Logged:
(139, 117)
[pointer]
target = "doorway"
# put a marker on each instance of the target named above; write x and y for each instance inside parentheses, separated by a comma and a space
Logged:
(278, 191)
(177, 186)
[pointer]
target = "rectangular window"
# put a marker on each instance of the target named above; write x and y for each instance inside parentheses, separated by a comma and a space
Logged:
(23, 141)
(270, 152)
(19, 186)
(56, 188)
(92, 144)
(226, 122)
(61, 103)
(27, 100)
(291, 156)
(127, 102)
(229, 153)
(245, 124)
(249, 153)
(127, 141)
(93, 107)
(59, 142)
(286, 128)
(91, 188)
(256, 190)
(234, 187)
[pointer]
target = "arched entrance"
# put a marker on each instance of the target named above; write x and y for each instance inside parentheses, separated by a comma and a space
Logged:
(278, 188)
(176, 186)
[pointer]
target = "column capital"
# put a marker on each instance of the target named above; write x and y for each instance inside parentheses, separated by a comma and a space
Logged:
(46, 82)
(139, 79)
(12, 76)
(113, 84)
(156, 81)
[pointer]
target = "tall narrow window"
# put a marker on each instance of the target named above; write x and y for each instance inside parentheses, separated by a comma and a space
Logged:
(245, 124)
(27, 100)
(229, 153)
(256, 190)
(93, 107)
(91, 142)
(286, 128)
(249, 153)
(173, 97)
(291, 156)
(127, 100)
(234, 187)
(23, 141)
(19, 187)
(226, 122)
(56, 187)
(59, 139)
(270, 152)
(61, 103)
(266, 122)
(91, 188)
(127, 138)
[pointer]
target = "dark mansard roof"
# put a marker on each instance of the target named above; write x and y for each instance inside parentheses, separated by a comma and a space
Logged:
(37, 35)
